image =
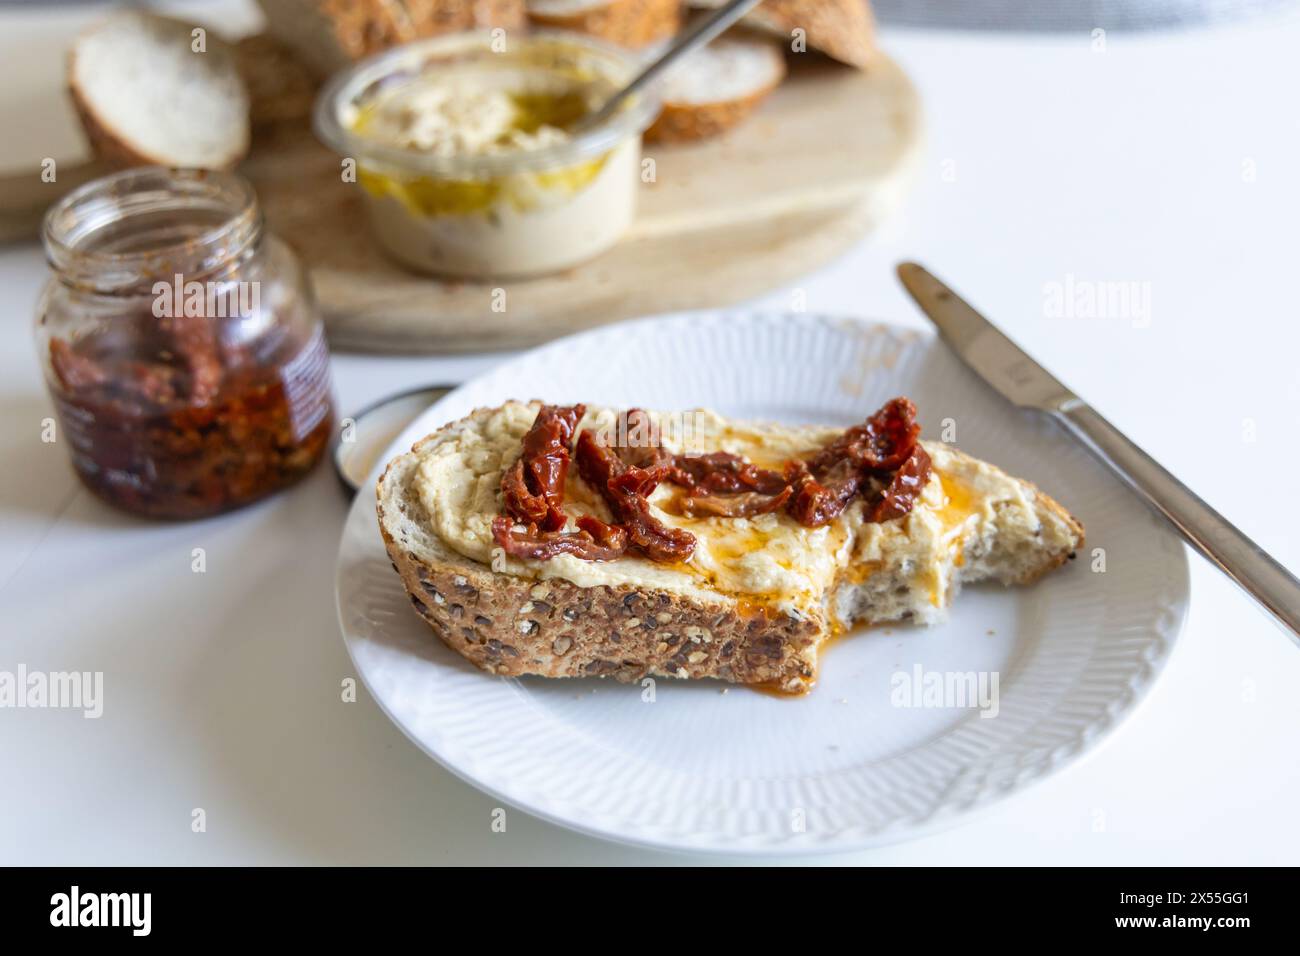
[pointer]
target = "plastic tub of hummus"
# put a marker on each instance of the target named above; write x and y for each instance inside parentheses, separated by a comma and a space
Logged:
(464, 150)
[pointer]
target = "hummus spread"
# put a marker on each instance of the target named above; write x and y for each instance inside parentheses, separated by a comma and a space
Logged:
(770, 559)
(477, 112)
(509, 219)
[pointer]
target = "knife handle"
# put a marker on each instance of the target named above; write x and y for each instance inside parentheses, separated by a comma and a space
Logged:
(1241, 559)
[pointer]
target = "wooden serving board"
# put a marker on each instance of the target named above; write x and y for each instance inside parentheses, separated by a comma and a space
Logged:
(822, 161)
(825, 157)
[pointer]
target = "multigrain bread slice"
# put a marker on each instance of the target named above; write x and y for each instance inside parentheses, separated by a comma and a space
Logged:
(148, 91)
(842, 29)
(715, 88)
(756, 600)
(329, 34)
(627, 23)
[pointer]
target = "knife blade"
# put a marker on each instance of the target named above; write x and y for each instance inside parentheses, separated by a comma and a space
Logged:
(1023, 382)
(983, 347)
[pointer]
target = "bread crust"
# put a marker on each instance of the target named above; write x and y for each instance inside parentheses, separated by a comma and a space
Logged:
(691, 122)
(1055, 559)
(106, 144)
(680, 122)
(628, 23)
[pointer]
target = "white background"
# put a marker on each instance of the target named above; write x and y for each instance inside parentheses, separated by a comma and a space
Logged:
(1169, 160)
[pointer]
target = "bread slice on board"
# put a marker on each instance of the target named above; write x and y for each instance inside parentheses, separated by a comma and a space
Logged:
(844, 30)
(629, 23)
(717, 87)
(755, 601)
(148, 91)
(329, 34)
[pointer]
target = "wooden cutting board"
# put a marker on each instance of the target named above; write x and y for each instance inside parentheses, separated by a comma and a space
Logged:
(820, 163)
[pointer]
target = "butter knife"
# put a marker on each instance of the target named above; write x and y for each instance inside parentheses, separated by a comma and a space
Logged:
(1025, 383)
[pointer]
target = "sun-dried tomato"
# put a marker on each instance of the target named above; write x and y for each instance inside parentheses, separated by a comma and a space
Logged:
(747, 504)
(610, 536)
(642, 481)
(881, 443)
(887, 441)
(158, 425)
(904, 488)
(819, 502)
(76, 372)
(194, 340)
(638, 441)
(638, 444)
(722, 473)
(594, 541)
(601, 468)
(882, 450)
(533, 487)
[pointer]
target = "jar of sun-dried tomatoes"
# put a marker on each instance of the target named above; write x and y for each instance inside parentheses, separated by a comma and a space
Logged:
(181, 344)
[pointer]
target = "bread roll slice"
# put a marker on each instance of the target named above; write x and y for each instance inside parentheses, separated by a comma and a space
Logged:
(844, 30)
(628, 23)
(329, 34)
(756, 599)
(715, 88)
(145, 95)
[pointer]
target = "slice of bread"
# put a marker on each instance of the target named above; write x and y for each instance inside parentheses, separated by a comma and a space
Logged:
(628, 23)
(329, 34)
(713, 89)
(844, 30)
(757, 597)
(146, 95)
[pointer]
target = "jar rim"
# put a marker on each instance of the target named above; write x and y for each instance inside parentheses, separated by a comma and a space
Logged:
(363, 79)
(95, 211)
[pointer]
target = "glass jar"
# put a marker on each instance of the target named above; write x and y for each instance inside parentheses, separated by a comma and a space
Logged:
(468, 154)
(181, 344)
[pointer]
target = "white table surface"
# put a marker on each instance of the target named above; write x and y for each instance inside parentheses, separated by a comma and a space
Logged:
(1045, 159)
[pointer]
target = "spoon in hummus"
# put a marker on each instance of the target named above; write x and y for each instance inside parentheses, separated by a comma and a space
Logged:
(699, 34)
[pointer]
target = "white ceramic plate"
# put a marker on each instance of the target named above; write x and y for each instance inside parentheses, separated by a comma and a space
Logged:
(846, 766)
